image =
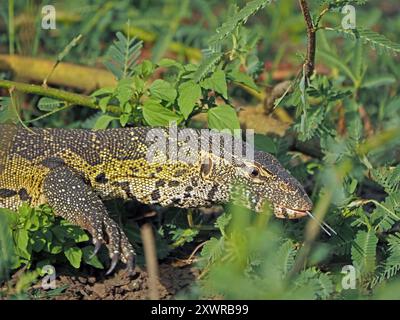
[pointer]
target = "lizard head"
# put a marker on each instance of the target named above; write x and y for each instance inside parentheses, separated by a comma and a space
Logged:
(266, 180)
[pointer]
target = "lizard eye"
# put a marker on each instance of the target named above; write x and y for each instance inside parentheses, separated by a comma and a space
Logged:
(255, 172)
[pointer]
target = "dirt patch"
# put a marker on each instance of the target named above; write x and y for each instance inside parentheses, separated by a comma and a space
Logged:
(174, 277)
(91, 284)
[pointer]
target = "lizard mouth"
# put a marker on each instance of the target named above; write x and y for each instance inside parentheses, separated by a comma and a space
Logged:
(286, 213)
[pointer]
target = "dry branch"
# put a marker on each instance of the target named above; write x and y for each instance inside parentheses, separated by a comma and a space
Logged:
(70, 75)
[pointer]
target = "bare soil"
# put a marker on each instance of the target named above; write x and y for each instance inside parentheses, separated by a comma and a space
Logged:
(91, 284)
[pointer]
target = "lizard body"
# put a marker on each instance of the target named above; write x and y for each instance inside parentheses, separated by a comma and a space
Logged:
(74, 170)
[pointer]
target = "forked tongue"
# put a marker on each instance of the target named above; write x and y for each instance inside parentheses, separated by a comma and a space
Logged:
(324, 226)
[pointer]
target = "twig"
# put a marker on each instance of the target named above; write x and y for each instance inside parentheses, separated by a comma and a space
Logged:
(151, 259)
(72, 98)
(189, 260)
(61, 56)
(311, 40)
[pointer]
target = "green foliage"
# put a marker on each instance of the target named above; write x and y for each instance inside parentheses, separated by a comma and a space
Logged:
(375, 40)
(191, 90)
(6, 248)
(40, 238)
(237, 19)
(342, 143)
(363, 252)
(122, 56)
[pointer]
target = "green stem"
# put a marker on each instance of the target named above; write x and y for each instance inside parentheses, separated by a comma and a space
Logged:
(72, 98)
(11, 26)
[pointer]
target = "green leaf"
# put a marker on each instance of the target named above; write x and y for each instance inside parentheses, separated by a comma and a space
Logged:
(89, 259)
(213, 249)
(206, 65)
(49, 104)
(237, 19)
(363, 251)
(168, 63)
(216, 82)
(265, 143)
(103, 122)
(124, 91)
(74, 256)
(373, 39)
(103, 103)
(240, 77)
(103, 91)
(163, 90)
(157, 115)
(123, 119)
(377, 81)
(146, 68)
(223, 117)
(189, 94)
(21, 238)
(7, 252)
(122, 56)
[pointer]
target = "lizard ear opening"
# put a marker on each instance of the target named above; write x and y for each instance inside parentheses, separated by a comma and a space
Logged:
(206, 167)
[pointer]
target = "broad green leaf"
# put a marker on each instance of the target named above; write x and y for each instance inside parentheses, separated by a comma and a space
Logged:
(216, 82)
(124, 91)
(241, 77)
(89, 259)
(163, 90)
(103, 91)
(103, 121)
(168, 63)
(74, 256)
(147, 68)
(123, 119)
(103, 103)
(49, 104)
(223, 117)
(157, 115)
(189, 93)
(21, 238)
(264, 143)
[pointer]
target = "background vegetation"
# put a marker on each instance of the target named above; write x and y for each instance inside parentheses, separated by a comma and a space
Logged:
(223, 64)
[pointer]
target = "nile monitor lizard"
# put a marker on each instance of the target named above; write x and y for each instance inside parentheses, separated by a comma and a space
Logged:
(73, 170)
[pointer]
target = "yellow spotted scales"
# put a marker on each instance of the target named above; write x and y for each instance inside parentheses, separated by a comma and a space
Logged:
(73, 170)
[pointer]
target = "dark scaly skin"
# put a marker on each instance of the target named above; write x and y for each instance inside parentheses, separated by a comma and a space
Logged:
(73, 170)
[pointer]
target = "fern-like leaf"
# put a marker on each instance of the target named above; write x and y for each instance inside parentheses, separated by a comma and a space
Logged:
(387, 213)
(285, 257)
(363, 252)
(373, 39)
(206, 65)
(388, 178)
(239, 18)
(123, 55)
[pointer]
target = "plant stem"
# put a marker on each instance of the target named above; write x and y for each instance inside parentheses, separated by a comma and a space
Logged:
(311, 40)
(11, 26)
(72, 98)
